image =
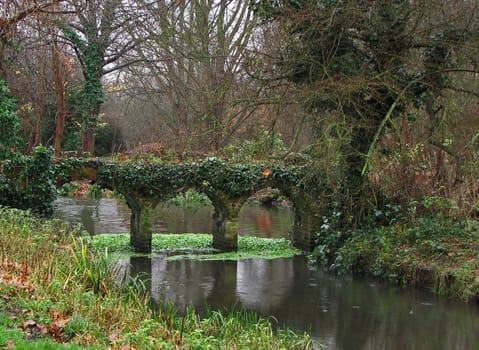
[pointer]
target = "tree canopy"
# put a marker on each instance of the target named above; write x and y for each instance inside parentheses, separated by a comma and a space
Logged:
(372, 61)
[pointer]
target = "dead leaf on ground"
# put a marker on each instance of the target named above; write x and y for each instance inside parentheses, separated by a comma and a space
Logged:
(10, 345)
(34, 327)
(113, 337)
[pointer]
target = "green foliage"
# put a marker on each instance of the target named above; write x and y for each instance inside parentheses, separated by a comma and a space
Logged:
(66, 168)
(191, 199)
(95, 191)
(9, 121)
(108, 139)
(208, 176)
(266, 146)
(68, 188)
(248, 248)
(396, 252)
(220, 331)
(28, 182)
(93, 267)
(202, 246)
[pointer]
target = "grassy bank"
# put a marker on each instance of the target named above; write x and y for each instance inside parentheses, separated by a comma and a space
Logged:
(431, 252)
(200, 246)
(58, 293)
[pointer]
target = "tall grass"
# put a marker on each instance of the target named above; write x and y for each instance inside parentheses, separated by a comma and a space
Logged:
(51, 276)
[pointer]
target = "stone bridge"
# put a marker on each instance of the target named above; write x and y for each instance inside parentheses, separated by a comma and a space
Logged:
(228, 185)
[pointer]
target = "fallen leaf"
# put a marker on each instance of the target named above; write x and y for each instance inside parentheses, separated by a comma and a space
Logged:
(29, 324)
(33, 327)
(113, 337)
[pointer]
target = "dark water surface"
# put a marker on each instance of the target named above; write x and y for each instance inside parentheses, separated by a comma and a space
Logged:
(340, 312)
(109, 215)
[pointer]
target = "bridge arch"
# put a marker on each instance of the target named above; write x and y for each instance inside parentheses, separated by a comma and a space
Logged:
(228, 186)
(306, 217)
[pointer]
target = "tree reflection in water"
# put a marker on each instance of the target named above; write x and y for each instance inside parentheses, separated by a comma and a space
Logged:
(338, 311)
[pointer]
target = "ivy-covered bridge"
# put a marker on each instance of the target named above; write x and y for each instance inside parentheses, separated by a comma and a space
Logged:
(228, 185)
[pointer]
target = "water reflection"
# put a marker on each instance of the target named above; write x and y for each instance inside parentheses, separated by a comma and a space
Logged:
(109, 215)
(264, 297)
(338, 311)
(96, 216)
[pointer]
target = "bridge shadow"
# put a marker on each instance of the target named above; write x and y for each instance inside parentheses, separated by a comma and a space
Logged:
(259, 284)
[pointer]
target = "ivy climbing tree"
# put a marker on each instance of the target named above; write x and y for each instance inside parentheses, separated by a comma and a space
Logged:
(26, 182)
(367, 62)
(100, 38)
(9, 121)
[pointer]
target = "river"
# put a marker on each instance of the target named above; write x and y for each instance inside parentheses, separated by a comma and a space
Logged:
(338, 311)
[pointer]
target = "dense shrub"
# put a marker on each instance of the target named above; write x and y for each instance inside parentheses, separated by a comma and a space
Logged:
(398, 252)
(28, 182)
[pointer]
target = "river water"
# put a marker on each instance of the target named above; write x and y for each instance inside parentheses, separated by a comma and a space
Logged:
(338, 311)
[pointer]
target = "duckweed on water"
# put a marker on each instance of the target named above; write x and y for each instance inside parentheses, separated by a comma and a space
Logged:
(200, 246)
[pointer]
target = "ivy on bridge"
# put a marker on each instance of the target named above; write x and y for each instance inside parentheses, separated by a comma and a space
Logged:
(228, 185)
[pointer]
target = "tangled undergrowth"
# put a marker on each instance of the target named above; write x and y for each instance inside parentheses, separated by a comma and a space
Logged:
(432, 252)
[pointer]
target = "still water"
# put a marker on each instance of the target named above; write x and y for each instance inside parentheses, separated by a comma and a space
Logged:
(339, 312)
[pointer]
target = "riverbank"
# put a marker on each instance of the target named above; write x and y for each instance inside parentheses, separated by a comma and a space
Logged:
(59, 293)
(431, 252)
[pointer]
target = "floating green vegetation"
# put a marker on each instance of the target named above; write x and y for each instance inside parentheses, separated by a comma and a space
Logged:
(249, 247)
(200, 246)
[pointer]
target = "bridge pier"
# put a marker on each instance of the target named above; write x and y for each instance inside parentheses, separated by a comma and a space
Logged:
(305, 223)
(225, 232)
(141, 222)
(225, 221)
(306, 220)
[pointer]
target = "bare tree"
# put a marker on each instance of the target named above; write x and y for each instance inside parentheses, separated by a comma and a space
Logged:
(14, 11)
(62, 71)
(193, 68)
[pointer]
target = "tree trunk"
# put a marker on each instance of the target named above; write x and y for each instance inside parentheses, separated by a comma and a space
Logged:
(35, 137)
(59, 74)
(88, 140)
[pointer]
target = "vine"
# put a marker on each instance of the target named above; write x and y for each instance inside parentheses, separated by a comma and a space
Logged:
(28, 182)
(211, 174)
(9, 121)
